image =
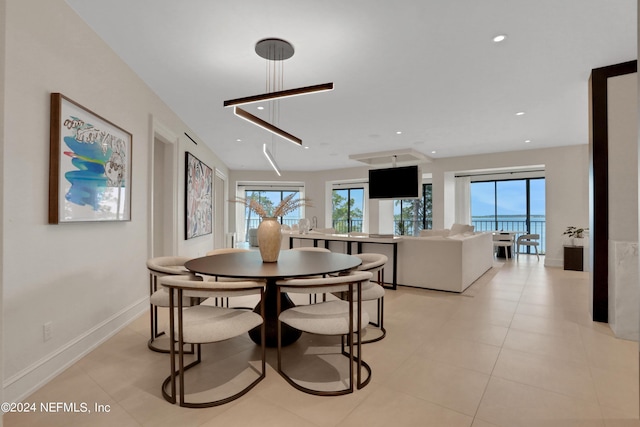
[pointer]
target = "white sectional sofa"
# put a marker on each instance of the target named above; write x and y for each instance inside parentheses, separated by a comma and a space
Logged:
(447, 263)
(446, 259)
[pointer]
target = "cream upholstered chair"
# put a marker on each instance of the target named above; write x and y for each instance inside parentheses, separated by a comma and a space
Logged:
(220, 251)
(337, 317)
(504, 240)
(226, 251)
(205, 324)
(373, 290)
(158, 296)
(310, 249)
(312, 297)
(531, 240)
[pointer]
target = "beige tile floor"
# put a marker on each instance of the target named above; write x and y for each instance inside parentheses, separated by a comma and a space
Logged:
(516, 349)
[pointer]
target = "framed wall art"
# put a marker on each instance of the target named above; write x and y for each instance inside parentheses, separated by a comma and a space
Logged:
(198, 198)
(89, 166)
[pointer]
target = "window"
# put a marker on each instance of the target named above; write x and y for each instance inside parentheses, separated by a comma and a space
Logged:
(347, 209)
(412, 215)
(268, 196)
(270, 199)
(513, 205)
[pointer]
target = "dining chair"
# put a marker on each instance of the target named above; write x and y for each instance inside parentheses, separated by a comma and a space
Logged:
(220, 251)
(158, 296)
(530, 240)
(336, 317)
(504, 240)
(312, 297)
(373, 289)
(310, 249)
(208, 324)
(225, 251)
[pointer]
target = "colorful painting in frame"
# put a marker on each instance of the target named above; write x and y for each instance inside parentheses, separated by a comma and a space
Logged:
(198, 197)
(89, 166)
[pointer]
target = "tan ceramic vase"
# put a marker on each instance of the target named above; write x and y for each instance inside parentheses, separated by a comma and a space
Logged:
(269, 239)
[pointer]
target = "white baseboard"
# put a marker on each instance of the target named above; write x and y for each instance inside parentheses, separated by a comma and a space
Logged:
(30, 379)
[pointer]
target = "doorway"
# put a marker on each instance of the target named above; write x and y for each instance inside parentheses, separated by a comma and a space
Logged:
(163, 239)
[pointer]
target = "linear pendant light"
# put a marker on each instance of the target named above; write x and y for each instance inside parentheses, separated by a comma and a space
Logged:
(243, 114)
(280, 94)
(275, 51)
(270, 158)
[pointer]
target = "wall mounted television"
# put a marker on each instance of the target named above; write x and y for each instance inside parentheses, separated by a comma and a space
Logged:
(395, 183)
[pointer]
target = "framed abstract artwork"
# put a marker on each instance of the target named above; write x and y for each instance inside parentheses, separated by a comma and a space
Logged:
(89, 166)
(198, 198)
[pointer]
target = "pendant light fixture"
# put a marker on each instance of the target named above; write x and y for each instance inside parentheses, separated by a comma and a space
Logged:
(275, 51)
(270, 158)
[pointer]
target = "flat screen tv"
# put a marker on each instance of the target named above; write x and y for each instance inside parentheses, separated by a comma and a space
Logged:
(395, 183)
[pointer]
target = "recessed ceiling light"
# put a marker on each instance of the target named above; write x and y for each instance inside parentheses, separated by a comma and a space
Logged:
(520, 113)
(526, 141)
(499, 38)
(238, 140)
(261, 108)
(399, 132)
(306, 148)
(433, 152)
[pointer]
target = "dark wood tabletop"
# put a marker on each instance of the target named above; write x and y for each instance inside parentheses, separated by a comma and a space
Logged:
(290, 264)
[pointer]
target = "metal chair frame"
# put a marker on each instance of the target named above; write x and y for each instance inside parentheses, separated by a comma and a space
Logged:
(531, 240)
(176, 294)
(354, 288)
(154, 274)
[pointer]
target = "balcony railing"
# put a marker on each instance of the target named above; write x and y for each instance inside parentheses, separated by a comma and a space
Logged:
(342, 225)
(255, 222)
(537, 227)
(409, 227)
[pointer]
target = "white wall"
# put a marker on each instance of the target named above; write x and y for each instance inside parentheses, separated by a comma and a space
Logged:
(2, 138)
(624, 295)
(566, 172)
(87, 279)
(622, 157)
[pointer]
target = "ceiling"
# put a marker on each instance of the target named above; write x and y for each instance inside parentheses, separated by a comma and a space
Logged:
(427, 69)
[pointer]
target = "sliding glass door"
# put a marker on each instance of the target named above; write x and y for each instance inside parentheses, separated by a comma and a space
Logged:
(510, 205)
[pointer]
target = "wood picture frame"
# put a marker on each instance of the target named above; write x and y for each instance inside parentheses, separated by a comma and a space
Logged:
(89, 166)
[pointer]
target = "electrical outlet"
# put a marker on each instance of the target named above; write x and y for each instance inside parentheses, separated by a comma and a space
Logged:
(46, 331)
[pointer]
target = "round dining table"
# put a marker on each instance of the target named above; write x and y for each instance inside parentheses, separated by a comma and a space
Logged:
(290, 264)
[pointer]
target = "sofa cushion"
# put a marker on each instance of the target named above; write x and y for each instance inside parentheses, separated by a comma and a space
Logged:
(459, 236)
(460, 228)
(443, 232)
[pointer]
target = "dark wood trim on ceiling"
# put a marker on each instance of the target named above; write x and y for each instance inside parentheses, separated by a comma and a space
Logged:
(599, 183)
